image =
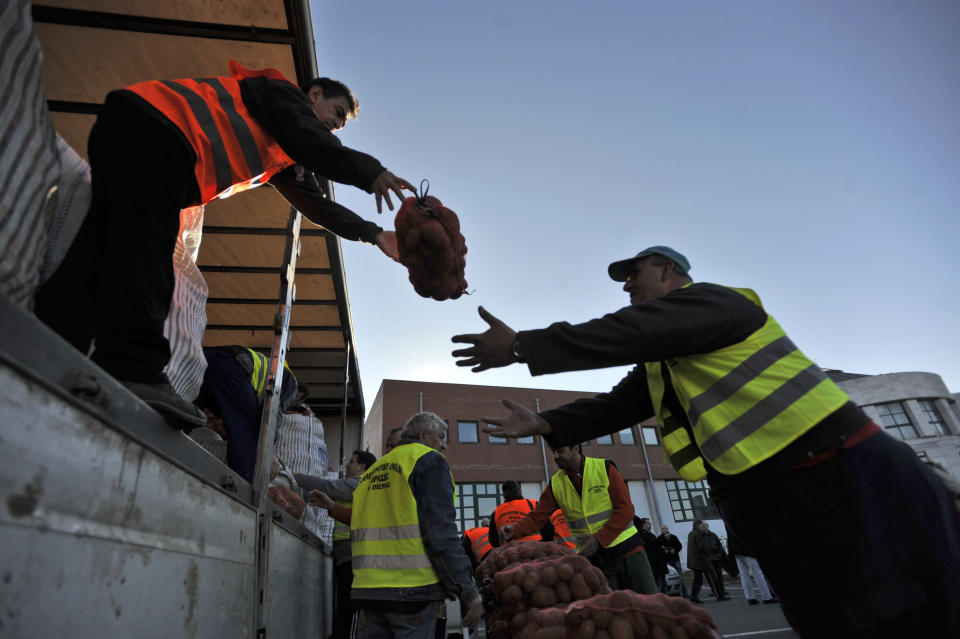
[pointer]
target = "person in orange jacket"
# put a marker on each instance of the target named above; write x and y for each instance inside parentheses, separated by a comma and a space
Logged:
(163, 145)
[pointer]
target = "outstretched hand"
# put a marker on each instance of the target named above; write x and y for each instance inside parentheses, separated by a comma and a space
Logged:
(491, 349)
(521, 422)
(386, 241)
(320, 498)
(385, 183)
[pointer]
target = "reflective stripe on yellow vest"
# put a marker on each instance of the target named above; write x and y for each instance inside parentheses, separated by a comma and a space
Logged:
(745, 402)
(586, 515)
(388, 551)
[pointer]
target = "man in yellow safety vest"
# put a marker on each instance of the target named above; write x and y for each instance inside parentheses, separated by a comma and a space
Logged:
(783, 448)
(407, 557)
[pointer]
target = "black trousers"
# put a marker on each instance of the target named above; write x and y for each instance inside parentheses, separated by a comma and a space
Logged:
(116, 281)
(698, 576)
(343, 607)
(866, 544)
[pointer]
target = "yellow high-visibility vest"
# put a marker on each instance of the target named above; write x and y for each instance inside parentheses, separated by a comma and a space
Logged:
(587, 514)
(341, 531)
(745, 402)
(387, 548)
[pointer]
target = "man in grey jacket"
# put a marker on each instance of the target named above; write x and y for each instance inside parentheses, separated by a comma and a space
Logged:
(340, 490)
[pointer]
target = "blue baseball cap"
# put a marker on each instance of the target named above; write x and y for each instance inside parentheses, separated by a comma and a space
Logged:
(619, 271)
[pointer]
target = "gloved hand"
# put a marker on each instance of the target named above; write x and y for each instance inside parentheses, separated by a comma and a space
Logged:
(590, 547)
(472, 613)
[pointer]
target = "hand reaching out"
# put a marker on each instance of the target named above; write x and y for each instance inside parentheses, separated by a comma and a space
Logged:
(386, 182)
(491, 349)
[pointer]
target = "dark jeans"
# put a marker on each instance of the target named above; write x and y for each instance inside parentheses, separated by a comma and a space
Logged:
(116, 281)
(631, 572)
(343, 607)
(866, 544)
(228, 393)
(400, 619)
(698, 576)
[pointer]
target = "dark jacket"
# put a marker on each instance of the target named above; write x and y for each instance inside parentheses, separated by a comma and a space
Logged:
(658, 563)
(671, 546)
(697, 555)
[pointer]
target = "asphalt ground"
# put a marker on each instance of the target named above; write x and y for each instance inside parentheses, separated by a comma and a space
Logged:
(736, 618)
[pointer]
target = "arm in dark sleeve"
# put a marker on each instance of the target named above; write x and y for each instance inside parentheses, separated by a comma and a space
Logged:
(432, 488)
(536, 518)
(284, 111)
(301, 189)
(626, 404)
(467, 546)
(622, 515)
(697, 319)
(340, 489)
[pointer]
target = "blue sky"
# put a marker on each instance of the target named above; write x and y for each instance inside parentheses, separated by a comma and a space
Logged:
(807, 150)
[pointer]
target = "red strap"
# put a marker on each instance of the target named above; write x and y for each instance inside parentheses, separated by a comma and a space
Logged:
(868, 429)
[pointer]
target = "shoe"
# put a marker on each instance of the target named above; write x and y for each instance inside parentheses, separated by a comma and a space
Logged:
(752, 602)
(772, 600)
(695, 600)
(179, 413)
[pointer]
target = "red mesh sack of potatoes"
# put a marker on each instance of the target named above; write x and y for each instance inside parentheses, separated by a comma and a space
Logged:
(527, 586)
(431, 247)
(517, 551)
(623, 614)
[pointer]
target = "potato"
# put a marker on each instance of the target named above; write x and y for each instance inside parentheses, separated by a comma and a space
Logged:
(585, 630)
(563, 592)
(619, 628)
(501, 581)
(656, 632)
(640, 625)
(578, 588)
(531, 581)
(564, 572)
(511, 594)
(601, 616)
(602, 634)
(575, 615)
(551, 617)
(620, 599)
(554, 632)
(677, 632)
(592, 577)
(548, 576)
(518, 621)
(543, 597)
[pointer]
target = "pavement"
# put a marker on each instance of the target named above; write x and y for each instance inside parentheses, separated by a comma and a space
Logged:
(736, 618)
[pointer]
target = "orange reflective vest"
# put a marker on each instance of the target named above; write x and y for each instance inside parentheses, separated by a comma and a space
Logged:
(479, 542)
(234, 152)
(510, 512)
(562, 534)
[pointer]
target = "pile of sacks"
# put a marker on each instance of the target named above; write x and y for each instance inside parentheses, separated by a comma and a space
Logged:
(540, 590)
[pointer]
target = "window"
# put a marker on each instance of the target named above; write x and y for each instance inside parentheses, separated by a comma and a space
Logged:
(626, 437)
(475, 502)
(650, 435)
(896, 421)
(493, 439)
(690, 500)
(933, 416)
(605, 440)
(525, 440)
(467, 432)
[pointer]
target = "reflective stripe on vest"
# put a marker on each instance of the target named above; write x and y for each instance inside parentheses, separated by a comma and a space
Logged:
(586, 515)
(745, 402)
(258, 376)
(510, 512)
(479, 542)
(387, 549)
(562, 534)
(234, 152)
